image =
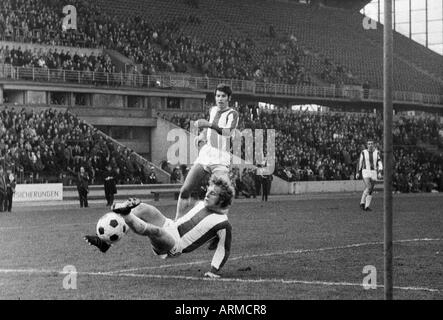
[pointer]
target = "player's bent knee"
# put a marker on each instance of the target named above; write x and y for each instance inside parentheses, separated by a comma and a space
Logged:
(142, 209)
(156, 233)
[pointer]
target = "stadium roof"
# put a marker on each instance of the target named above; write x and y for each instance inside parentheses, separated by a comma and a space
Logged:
(347, 4)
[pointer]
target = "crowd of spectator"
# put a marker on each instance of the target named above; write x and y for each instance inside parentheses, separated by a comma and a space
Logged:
(56, 60)
(326, 145)
(335, 73)
(281, 63)
(40, 21)
(157, 47)
(164, 43)
(165, 48)
(416, 170)
(52, 146)
(246, 181)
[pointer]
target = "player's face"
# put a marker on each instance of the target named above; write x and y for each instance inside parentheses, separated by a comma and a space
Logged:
(370, 145)
(221, 99)
(212, 197)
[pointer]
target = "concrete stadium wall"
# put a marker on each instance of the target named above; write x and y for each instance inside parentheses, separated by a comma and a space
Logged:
(159, 147)
(279, 186)
(144, 192)
(36, 97)
(160, 144)
(16, 97)
(108, 100)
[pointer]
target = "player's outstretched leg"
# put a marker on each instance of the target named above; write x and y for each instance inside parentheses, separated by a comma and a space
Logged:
(121, 208)
(193, 180)
(149, 214)
(161, 240)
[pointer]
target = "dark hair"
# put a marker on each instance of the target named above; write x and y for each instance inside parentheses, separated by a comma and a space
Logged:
(227, 190)
(223, 88)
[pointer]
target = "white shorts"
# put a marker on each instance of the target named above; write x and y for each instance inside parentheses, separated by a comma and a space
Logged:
(217, 169)
(372, 174)
(171, 228)
(210, 156)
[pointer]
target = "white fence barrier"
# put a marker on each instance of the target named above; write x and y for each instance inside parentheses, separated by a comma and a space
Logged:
(38, 192)
(280, 186)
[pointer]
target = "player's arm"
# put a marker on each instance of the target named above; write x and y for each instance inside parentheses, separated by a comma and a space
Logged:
(201, 137)
(226, 130)
(223, 250)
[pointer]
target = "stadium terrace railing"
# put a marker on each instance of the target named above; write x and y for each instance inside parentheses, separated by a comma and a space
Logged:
(204, 83)
(162, 175)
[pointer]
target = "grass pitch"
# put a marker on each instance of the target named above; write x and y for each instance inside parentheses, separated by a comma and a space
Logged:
(292, 247)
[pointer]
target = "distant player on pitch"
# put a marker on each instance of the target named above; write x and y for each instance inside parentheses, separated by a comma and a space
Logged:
(371, 167)
(205, 221)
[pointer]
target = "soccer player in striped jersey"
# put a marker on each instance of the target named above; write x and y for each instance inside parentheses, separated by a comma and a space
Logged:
(214, 157)
(371, 167)
(206, 220)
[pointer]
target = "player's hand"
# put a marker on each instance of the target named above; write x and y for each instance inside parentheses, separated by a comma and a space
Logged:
(198, 140)
(357, 176)
(380, 176)
(210, 274)
(202, 123)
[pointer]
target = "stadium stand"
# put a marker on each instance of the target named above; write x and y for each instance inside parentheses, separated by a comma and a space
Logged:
(326, 145)
(55, 60)
(264, 41)
(232, 40)
(53, 145)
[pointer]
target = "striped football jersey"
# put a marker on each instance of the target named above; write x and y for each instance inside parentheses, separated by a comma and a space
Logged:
(226, 119)
(200, 225)
(370, 160)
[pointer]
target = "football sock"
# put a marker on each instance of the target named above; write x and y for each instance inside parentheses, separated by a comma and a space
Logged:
(363, 196)
(368, 200)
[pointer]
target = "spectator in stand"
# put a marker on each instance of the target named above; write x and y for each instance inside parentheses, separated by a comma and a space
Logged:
(3, 189)
(10, 190)
(320, 145)
(110, 185)
(177, 176)
(83, 187)
(152, 179)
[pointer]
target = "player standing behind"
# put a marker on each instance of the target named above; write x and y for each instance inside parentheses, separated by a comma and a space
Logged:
(214, 157)
(371, 167)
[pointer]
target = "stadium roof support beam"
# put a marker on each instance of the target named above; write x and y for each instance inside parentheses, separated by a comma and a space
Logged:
(387, 143)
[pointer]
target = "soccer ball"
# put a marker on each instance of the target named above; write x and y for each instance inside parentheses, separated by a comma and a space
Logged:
(111, 227)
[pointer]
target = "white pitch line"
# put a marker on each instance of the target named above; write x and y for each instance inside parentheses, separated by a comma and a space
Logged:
(230, 280)
(47, 226)
(261, 255)
(123, 273)
(283, 281)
